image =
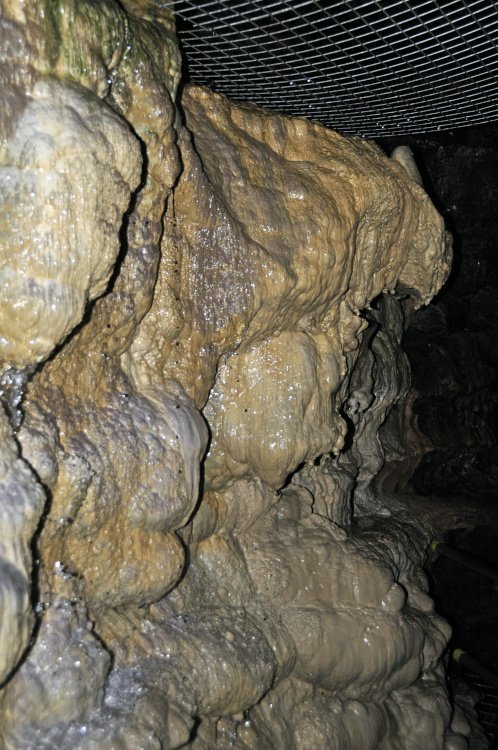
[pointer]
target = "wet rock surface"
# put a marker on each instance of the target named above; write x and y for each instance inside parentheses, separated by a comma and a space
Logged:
(207, 302)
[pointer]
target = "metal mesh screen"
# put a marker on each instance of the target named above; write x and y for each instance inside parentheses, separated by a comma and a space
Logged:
(365, 67)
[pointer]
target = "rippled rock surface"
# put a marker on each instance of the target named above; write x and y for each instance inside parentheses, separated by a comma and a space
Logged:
(201, 314)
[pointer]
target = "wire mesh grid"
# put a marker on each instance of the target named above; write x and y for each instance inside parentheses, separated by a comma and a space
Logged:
(371, 68)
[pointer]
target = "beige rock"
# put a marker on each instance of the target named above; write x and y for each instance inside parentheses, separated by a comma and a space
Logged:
(60, 237)
(282, 391)
(233, 263)
(276, 246)
(344, 606)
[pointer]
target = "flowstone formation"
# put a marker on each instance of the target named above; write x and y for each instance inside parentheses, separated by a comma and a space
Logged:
(201, 315)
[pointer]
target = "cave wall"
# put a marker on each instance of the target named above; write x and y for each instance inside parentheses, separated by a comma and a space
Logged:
(201, 321)
(452, 344)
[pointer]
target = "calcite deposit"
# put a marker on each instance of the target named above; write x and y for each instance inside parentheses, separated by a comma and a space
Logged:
(202, 379)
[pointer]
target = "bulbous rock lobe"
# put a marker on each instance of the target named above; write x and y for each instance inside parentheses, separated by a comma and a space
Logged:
(283, 232)
(67, 177)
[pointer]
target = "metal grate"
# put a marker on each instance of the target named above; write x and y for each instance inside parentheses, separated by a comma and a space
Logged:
(365, 67)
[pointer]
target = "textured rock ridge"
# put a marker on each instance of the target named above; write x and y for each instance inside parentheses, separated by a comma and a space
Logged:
(201, 315)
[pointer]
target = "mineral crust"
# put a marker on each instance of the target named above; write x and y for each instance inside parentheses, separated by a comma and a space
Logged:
(201, 368)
